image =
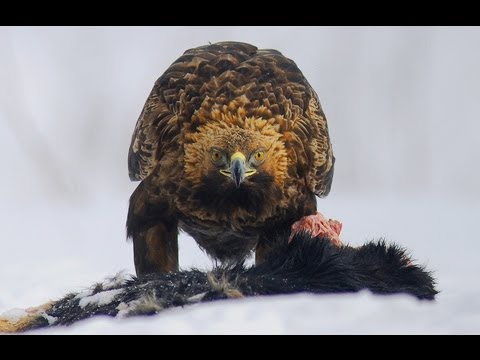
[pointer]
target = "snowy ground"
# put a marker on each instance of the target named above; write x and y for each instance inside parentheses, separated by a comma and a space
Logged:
(78, 247)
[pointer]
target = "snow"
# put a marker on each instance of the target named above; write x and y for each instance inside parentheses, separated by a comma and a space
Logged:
(361, 313)
(14, 315)
(115, 281)
(84, 294)
(51, 319)
(125, 308)
(101, 298)
(402, 105)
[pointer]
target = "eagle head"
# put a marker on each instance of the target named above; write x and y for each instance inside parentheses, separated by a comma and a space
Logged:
(236, 166)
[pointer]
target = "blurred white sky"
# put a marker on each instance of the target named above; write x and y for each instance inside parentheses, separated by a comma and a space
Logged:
(402, 103)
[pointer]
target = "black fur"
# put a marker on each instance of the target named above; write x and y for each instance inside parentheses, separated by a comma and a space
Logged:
(307, 264)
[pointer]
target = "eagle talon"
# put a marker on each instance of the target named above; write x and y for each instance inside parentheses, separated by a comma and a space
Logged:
(318, 225)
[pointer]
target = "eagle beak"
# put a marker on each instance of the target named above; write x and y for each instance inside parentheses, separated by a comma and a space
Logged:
(238, 169)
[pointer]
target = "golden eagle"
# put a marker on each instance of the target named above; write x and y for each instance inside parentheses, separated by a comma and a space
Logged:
(231, 146)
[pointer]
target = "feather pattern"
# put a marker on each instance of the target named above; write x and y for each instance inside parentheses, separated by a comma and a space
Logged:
(264, 82)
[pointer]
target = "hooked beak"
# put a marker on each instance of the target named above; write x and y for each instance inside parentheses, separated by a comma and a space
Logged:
(238, 170)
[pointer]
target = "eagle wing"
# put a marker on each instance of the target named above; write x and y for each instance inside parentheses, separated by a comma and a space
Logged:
(315, 148)
(141, 155)
(219, 73)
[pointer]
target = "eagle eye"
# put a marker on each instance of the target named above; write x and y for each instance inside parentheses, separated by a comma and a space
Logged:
(258, 157)
(217, 156)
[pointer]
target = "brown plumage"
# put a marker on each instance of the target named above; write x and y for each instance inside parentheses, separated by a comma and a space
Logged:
(232, 144)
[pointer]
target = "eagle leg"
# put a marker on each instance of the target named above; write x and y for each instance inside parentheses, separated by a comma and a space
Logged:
(156, 250)
(154, 235)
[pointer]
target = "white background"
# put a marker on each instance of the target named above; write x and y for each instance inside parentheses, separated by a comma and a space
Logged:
(403, 112)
